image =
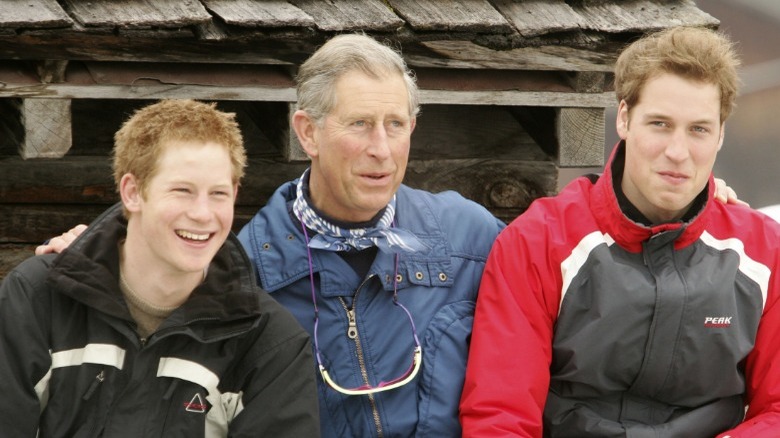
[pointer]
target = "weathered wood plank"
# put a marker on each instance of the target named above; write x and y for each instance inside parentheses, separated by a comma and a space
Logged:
(89, 180)
(166, 45)
(344, 15)
(32, 214)
(155, 81)
(539, 17)
(517, 98)
(641, 15)
(47, 128)
(267, 13)
(217, 45)
(174, 74)
(32, 14)
(71, 180)
(138, 13)
(471, 131)
(580, 133)
(34, 223)
(466, 54)
(587, 81)
(506, 188)
(451, 15)
(247, 93)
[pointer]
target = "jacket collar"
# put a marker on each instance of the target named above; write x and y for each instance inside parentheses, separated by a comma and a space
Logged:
(88, 272)
(279, 248)
(630, 234)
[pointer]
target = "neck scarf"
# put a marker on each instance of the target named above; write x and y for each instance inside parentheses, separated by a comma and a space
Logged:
(331, 237)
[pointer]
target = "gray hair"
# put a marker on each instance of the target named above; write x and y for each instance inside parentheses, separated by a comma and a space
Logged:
(343, 54)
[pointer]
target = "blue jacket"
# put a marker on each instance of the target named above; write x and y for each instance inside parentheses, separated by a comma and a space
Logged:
(439, 288)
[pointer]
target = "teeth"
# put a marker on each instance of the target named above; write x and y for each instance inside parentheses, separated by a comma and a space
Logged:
(192, 236)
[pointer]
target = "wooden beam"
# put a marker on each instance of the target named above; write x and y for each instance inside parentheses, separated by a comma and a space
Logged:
(588, 81)
(580, 133)
(466, 54)
(47, 128)
(76, 191)
(261, 93)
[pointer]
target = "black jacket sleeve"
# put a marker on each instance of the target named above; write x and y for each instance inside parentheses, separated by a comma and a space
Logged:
(280, 390)
(24, 353)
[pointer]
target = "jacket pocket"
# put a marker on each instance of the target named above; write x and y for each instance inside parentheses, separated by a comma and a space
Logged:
(445, 350)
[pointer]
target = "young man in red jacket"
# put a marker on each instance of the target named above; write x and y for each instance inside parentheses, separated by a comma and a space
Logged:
(631, 304)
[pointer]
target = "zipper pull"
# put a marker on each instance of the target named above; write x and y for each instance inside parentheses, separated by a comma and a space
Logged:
(352, 330)
(93, 387)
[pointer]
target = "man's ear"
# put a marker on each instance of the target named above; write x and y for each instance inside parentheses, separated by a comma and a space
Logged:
(130, 192)
(621, 121)
(722, 135)
(306, 130)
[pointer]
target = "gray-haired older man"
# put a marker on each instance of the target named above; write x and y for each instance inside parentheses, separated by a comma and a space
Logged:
(383, 276)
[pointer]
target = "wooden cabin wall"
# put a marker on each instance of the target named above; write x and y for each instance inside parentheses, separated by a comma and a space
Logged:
(483, 152)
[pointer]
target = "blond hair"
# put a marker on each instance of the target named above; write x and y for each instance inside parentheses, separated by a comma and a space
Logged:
(694, 53)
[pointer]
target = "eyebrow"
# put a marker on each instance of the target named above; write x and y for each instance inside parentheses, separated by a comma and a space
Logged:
(695, 122)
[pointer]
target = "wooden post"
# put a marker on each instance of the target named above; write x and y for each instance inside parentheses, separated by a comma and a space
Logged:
(47, 128)
(291, 149)
(580, 133)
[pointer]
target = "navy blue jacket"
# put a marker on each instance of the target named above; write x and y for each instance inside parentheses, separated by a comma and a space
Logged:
(439, 288)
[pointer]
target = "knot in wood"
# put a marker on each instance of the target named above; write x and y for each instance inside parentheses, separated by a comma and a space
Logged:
(510, 194)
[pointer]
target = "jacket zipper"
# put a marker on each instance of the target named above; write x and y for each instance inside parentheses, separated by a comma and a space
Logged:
(93, 387)
(352, 333)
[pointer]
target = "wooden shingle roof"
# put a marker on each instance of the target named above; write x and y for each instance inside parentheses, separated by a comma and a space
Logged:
(521, 35)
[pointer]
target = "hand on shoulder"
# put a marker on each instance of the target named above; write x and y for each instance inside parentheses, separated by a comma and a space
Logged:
(59, 243)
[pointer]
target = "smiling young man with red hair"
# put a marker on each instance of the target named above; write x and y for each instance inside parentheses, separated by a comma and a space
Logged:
(151, 323)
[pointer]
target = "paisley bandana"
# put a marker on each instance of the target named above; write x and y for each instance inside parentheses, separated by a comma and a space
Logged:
(331, 237)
